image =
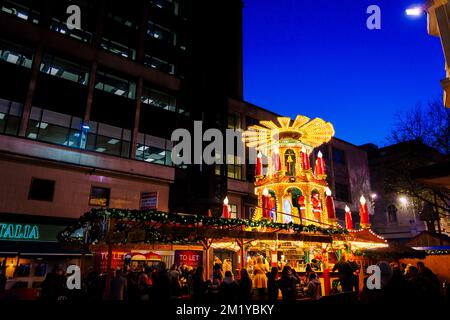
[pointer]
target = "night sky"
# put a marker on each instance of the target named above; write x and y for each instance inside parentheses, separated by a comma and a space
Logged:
(317, 58)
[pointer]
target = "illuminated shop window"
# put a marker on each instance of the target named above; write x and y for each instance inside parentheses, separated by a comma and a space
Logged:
(170, 6)
(99, 197)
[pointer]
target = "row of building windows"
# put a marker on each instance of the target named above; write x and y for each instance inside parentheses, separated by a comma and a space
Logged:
(62, 129)
(79, 73)
(119, 31)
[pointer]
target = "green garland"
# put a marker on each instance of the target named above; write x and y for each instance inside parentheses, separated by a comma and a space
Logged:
(125, 215)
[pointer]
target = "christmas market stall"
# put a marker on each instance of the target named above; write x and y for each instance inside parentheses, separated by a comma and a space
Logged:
(294, 224)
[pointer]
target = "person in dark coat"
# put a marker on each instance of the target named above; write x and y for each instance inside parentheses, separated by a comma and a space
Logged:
(245, 286)
(161, 283)
(199, 285)
(228, 289)
(345, 272)
(54, 285)
(287, 284)
(272, 285)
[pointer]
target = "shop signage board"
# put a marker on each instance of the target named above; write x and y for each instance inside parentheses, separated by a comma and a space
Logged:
(149, 200)
(10, 231)
(117, 260)
(191, 258)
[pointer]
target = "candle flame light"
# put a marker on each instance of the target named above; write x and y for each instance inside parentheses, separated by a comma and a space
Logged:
(225, 201)
(362, 200)
(347, 209)
(328, 192)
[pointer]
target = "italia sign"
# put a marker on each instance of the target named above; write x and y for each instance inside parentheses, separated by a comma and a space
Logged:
(16, 231)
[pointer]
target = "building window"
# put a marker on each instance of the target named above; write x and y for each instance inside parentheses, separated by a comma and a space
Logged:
(161, 33)
(342, 192)
(115, 85)
(234, 167)
(338, 156)
(10, 114)
(159, 64)
(392, 213)
(233, 211)
(234, 121)
(41, 189)
(22, 9)
(15, 54)
(99, 197)
(159, 99)
(65, 69)
(154, 149)
(66, 130)
(169, 6)
(118, 48)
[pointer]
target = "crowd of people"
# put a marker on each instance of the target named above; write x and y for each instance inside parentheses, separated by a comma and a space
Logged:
(256, 282)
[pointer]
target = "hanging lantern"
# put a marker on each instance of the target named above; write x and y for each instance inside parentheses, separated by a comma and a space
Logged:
(348, 219)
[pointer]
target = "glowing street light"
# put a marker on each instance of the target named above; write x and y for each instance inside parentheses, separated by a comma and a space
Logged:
(373, 196)
(403, 200)
(415, 11)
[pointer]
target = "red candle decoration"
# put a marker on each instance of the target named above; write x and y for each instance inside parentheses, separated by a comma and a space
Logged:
(259, 164)
(363, 212)
(348, 219)
(226, 213)
(330, 205)
(320, 165)
(305, 159)
(265, 204)
(276, 160)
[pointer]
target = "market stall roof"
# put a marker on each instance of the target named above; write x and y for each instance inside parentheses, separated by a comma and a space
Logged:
(365, 235)
(395, 251)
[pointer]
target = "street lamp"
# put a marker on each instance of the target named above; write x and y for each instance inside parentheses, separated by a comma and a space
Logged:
(415, 11)
(403, 200)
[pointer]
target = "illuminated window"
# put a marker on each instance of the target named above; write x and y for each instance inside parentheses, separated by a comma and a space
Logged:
(22, 9)
(41, 189)
(233, 210)
(10, 113)
(115, 85)
(65, 69)
(99, 197)
(159, 99)
(15, 54)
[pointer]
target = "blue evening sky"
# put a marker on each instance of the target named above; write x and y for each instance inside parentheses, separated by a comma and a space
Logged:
(317, 58)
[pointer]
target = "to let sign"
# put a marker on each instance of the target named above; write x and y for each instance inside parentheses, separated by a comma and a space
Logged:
(149, 200)
(189, 257)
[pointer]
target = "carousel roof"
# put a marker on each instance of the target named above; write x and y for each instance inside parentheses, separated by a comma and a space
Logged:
(312, 133)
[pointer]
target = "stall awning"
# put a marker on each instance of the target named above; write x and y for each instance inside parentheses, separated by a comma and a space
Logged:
(25, 248)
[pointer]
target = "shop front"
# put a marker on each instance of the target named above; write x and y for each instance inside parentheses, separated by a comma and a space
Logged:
(28, 252)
